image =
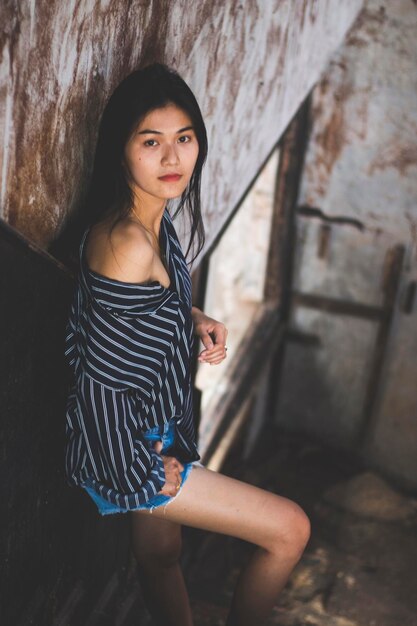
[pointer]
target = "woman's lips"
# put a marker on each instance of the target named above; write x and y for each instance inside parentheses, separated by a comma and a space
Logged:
(170, 178)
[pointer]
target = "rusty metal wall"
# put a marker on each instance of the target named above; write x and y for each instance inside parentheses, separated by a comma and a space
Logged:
(249, 62)
(361, 172)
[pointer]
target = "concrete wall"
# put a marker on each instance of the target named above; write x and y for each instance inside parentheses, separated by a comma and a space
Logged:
(361, 166)
(249, 62)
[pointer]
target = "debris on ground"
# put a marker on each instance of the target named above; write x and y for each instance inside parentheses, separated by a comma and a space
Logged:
(359, 566)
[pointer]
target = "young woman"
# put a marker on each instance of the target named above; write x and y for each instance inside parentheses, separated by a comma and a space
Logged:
(130, 437)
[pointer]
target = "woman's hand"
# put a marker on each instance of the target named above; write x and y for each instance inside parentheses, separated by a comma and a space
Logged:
(213, 334)
(173, 469)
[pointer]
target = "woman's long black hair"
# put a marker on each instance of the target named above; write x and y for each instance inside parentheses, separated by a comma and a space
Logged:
(109, 193)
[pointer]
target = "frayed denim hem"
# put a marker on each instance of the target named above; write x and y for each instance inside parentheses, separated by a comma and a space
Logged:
(108, 508)
(167, 437)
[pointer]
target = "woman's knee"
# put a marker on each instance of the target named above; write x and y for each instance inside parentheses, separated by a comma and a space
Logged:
(291, 530)
(301, 528)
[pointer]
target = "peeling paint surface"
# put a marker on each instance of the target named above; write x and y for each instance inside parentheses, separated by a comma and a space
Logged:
(362, 159)
(250, 64)
(361, 165)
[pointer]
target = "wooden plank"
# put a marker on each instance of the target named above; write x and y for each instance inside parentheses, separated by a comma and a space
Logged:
(391, 281)
(199, 287)
(262, 337)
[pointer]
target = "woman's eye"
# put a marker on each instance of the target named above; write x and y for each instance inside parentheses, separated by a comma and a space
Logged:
(184, 139)
(150, 142)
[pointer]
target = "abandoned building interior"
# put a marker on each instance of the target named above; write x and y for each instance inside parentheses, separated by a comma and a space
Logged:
(310, 210)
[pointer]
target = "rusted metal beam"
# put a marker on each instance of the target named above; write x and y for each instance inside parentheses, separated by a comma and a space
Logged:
(336, 306)
(324, 241)
(279, 273)
(309, 211)
(410, 297)
(281, 244)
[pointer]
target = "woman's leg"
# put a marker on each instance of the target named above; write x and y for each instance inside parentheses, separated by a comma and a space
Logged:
(279, 527)
(156, 544)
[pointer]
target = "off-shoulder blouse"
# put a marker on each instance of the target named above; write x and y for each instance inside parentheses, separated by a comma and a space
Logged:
(129, 348)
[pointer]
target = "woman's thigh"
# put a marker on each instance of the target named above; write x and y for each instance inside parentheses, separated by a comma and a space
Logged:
(211, 501)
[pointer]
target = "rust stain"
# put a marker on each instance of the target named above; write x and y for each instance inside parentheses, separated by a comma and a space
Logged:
(362, 98)
(154, 35)
(235, 72)
(303, 9)
(397, 156)
(277, 48)
(282, 50)
(412, 221)
(367, 26)
(11, 18)
(370, 17)
(206, 11)
(313, 10)
(332, 138)
(357, 42)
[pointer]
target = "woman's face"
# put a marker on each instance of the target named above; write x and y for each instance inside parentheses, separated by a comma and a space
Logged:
(162, 153)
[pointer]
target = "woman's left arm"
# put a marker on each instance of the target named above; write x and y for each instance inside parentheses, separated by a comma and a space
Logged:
(213, 334)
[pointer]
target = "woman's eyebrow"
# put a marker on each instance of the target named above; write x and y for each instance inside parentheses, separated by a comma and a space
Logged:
(149, 131)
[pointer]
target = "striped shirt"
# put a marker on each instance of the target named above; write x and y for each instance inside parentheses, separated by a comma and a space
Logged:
(128, 346)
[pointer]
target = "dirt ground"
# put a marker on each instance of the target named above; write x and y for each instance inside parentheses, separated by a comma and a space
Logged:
(360, 566)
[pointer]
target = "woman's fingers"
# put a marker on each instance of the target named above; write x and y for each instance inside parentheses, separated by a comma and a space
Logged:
(214, 356)
(173, 469)
(171, 488)
(172, 484)
(217, 352)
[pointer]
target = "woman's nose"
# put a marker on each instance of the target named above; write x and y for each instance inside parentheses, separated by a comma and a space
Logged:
(170, 155)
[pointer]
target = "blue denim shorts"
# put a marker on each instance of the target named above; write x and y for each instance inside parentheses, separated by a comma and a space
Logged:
(106, 508)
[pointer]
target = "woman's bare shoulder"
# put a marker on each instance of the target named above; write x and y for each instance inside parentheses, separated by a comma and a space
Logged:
(123, 253)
